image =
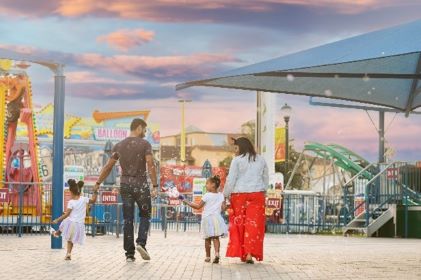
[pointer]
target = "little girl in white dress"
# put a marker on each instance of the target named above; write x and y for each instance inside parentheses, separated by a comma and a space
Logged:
(213, 225)
(72, 227)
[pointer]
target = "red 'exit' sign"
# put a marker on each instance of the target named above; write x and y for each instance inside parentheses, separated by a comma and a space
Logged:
(273, 203)
(4, 195)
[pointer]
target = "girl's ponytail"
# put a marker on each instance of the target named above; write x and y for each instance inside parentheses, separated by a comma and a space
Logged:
(75, 188)
(80, 184)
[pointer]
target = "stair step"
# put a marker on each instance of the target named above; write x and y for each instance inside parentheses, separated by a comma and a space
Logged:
(354, 228)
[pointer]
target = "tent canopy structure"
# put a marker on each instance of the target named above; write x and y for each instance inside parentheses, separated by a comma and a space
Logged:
(381, 68)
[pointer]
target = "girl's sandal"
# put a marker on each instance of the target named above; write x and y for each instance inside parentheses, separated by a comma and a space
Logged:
(54, 233)
(216, 259)
(207, 259)
(68, 257)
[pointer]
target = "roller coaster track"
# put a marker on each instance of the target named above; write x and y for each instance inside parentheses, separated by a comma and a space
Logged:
(342, 157)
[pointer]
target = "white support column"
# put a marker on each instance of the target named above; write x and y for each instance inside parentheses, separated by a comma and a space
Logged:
(265, 128)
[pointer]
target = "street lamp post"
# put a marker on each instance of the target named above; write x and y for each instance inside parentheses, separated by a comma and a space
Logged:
(286, 111)
(183, 132)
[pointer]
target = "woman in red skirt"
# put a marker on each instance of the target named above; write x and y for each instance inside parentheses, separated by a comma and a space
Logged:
(245, 187)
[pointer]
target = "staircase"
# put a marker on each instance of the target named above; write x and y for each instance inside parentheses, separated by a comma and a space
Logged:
(381, 194)
(378, 218)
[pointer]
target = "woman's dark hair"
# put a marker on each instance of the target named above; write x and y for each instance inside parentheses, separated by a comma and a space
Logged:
(75, 188)
(215, 180)
(245, 147)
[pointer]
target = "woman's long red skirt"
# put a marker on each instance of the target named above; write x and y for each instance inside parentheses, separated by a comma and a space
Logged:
(246, 225)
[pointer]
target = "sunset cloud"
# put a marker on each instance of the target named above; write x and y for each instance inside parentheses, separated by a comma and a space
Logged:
(84, 77)
(126, 39)
(289, 16)
(163, 68)
(158, 67)
(159, 9)
(184, 11)
(123, 55)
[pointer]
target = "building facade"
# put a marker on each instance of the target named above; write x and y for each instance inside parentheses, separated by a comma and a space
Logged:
(200, 146)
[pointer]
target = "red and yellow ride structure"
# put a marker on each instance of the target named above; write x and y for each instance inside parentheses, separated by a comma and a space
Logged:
(19, 164)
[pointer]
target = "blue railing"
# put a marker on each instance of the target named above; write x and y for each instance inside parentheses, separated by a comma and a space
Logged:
(28, 208)
(386, 188)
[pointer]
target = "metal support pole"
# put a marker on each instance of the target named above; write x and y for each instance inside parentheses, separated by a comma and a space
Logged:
(381, 137)
(367, 206)
(21, 189)
(58, 184)
(183, 135)
(183, 132)
(406, 214)
(286, 147)
(258, 132)
(165, 221)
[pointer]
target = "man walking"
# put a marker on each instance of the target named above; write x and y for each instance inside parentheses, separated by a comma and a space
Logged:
(136, 161)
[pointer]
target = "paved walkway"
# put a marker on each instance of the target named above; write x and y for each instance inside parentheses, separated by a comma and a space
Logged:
(180, 256)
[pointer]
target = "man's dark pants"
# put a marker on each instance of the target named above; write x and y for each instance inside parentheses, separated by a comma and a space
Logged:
(139, 194)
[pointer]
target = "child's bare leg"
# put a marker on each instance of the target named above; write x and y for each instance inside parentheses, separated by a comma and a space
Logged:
(208, 248)
(216, 245)
(69, 247)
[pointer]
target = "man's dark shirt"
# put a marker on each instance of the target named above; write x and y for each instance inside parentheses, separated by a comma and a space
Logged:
(133, 152)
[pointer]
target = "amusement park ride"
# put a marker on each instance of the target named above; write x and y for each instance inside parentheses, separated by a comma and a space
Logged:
(18, 163)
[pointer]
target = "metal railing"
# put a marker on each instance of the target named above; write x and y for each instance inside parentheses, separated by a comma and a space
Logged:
(309, 213)
(383, 190)
(26, 208)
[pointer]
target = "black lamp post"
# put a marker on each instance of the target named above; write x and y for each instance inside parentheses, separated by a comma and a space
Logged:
(286, 111)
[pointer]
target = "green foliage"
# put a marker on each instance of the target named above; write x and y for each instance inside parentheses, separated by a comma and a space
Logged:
(249, 130)
(226, 162)
(298, 180)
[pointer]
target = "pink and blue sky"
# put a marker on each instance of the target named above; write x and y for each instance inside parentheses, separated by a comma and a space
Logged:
(128, 55)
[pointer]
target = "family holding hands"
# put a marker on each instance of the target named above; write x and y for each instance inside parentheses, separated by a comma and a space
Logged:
(243, 197)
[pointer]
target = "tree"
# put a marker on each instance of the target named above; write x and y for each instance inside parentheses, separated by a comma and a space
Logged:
(226, 162)
(298, 180)
(249, 130)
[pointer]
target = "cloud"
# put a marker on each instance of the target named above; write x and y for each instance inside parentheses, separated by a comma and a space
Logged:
(158, 67)
(122, 91)
(353, 129)
(214, 116)
(126, 39)
(86, 77)
(160, 10)
(163, 68)
(275, 14)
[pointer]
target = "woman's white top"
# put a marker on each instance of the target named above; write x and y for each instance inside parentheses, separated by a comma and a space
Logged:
(247, 176)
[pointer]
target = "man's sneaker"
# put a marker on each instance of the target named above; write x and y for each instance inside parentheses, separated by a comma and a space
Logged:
(130, 258)
(142, 251)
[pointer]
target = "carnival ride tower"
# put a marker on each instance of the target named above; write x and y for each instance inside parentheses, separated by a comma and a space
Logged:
(19, 169)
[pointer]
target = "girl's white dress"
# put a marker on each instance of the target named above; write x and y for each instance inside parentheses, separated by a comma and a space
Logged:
(73, 227)
(213, 225)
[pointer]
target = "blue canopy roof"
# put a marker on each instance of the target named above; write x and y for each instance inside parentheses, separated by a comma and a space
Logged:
(381, 68)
